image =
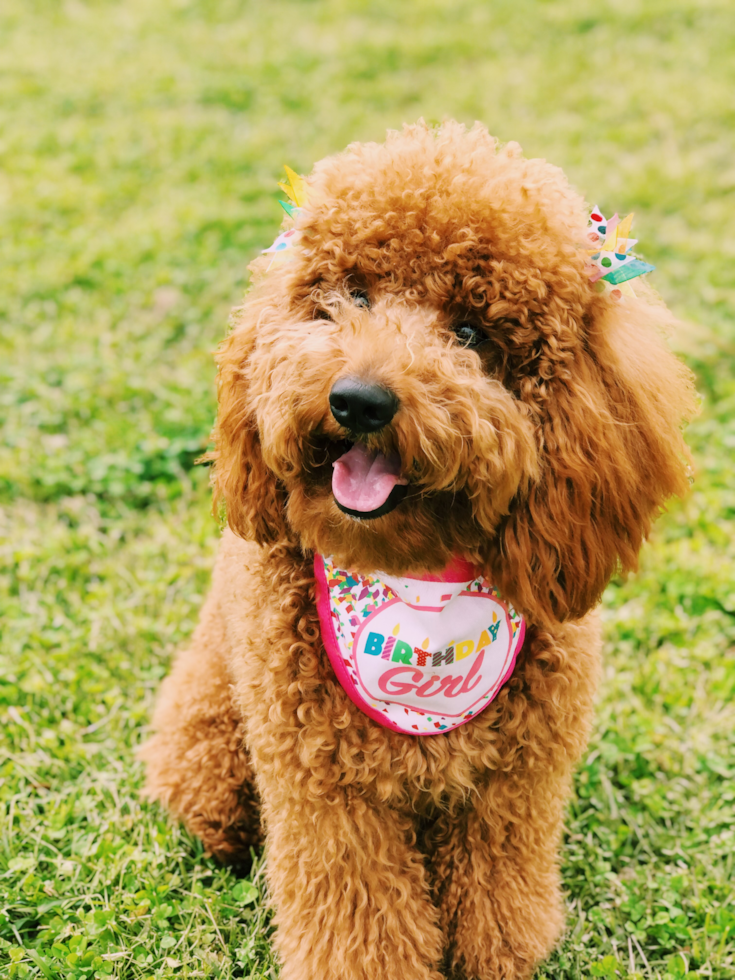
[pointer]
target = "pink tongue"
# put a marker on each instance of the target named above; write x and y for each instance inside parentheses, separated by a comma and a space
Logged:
(363, 481)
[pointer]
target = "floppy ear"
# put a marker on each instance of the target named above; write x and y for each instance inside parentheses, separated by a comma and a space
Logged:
(253, 499)
(611, 451)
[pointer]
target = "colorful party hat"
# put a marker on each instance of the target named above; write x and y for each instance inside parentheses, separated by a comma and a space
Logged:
(612, 265)
(295, 190)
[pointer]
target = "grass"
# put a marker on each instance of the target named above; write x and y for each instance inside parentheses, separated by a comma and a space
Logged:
(139, 148)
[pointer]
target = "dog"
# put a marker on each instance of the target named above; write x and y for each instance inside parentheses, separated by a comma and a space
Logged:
(433, 395)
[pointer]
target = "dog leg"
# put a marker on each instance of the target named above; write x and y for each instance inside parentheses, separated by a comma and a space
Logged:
(500, 904)
(495, 866)
(197, 765)
(350, 890)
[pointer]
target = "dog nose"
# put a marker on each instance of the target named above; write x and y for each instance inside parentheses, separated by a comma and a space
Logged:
(360, 406)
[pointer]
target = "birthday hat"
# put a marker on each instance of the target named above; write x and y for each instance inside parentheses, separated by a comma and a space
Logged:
(612, 265)
(295, 190)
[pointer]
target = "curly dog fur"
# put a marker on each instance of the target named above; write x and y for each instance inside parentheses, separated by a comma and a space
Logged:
(543, 458)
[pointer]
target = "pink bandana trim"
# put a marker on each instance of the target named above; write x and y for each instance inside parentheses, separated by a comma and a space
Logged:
(420, 656)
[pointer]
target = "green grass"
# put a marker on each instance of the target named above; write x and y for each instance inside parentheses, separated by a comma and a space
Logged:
(140, 144)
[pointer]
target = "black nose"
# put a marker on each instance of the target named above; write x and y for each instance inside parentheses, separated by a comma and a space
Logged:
(362, 407)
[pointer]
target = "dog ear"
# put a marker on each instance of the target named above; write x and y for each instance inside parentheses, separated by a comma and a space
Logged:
(253, 499)
(611, 452)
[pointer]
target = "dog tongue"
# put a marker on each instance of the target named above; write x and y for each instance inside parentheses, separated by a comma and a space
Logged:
(363, 481)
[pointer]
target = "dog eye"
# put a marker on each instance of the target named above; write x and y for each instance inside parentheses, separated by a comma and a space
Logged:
(469, 335)
(360, 299)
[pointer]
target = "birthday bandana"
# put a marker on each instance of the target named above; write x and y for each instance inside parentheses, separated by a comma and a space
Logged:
(418, 655)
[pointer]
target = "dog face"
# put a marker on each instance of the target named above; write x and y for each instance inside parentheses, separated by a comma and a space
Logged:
(433, 374)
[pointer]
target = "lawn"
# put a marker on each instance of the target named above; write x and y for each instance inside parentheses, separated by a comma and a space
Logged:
(140, 145)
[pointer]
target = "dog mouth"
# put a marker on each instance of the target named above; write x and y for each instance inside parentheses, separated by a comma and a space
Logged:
(367, 484)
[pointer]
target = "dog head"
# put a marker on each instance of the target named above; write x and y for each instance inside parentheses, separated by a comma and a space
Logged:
(434, 374)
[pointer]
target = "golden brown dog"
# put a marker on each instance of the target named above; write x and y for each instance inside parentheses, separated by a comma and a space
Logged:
(529, 425)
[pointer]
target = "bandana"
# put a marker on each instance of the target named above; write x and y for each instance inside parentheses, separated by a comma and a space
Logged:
(417, 655)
